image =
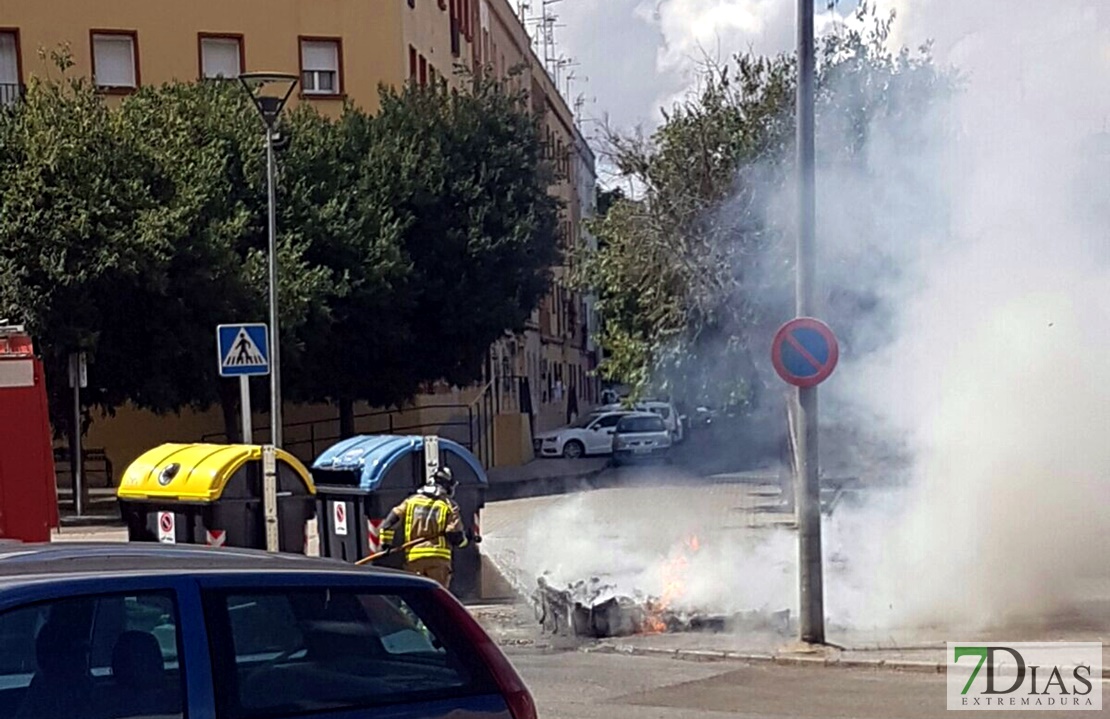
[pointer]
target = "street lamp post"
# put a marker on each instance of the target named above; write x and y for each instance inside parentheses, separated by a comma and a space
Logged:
(261, 86)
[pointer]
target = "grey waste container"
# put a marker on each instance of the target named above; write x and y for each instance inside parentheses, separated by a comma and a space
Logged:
(360, 479)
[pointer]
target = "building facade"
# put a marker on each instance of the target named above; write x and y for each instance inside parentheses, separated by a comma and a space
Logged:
(343, 50)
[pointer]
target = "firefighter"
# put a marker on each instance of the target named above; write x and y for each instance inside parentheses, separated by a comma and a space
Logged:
(431, 514)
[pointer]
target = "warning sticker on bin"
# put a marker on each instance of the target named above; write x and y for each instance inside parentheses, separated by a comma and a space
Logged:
(166, 533)
(373, 534)
(339, 511)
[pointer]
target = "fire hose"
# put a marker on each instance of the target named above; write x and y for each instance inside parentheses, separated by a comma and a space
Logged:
(393, 550)
(409, 545)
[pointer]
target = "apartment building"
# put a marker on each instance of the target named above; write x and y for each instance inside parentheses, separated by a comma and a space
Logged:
(342, 50)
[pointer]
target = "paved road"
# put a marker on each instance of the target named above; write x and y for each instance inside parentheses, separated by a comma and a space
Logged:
(572, 685)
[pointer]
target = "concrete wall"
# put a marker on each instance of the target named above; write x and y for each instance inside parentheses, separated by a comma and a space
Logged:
(513, 445)
(309, 429)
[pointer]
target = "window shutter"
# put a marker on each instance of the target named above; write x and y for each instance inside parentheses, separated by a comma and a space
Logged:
(319, 56)
(220, 57)
(115, 60)
(9, 61)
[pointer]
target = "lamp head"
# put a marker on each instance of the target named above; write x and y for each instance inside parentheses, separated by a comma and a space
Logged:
(270, 91)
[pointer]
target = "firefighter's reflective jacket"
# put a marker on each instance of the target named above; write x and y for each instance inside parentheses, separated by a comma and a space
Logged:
(431, 516)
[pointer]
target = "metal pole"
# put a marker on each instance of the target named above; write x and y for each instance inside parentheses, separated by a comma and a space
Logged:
(245, 409)
(78, 463)
(807, 482)
(269, 498)
(275, 337)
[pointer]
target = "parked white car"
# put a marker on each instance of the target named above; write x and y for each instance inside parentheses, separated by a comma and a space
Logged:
(590, 435)
(666, 410)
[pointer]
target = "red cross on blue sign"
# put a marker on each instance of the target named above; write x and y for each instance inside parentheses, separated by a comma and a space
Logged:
(805, 352)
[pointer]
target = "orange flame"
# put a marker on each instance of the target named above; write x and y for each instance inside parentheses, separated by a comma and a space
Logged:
(674, 586)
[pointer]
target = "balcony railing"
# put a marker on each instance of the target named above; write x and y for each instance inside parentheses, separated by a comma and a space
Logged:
(10, 93)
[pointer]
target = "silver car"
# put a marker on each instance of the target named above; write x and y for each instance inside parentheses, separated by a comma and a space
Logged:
(641, 435)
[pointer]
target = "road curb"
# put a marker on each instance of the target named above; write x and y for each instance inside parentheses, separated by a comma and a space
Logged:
(912, 666)
(795, 660)
(542, 486)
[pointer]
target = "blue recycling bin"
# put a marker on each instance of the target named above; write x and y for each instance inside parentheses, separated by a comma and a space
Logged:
(358, 481)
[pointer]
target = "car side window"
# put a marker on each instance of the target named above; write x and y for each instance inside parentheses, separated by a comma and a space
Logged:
(298, 650)
(607, 421)
(97, 657)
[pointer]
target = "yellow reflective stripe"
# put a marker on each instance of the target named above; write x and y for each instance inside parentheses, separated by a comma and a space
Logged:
(423, 551)
(437, 548)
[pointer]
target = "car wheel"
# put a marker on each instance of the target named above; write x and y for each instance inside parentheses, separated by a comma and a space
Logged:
(573, 449)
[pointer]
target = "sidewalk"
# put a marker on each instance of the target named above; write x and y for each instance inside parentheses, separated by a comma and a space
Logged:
(515, 625)
(102, 509)
(103, 533)
(926, 657)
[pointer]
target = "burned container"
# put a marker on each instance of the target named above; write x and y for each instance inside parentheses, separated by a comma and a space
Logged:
(359, 480)
(212, 494)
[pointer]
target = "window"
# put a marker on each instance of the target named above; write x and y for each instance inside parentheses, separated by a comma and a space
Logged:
(412, 63)
(423, 71)
(321, 65)
(635, 425)
(221, 56)
(115, 60)
(609, 420)
(103, 656)
(11, 76)
(314, 650)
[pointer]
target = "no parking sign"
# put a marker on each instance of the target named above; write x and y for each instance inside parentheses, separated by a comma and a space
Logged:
(166, 528)
(805, 352)
(339, 512)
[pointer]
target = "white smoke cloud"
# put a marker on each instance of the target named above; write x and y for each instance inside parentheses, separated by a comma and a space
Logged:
(997, 376)
(994, 368)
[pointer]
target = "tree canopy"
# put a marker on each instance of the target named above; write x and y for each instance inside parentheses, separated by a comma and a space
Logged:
(694, 269)
(409, 240)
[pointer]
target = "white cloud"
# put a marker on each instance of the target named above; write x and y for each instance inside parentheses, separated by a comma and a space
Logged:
(641, 55)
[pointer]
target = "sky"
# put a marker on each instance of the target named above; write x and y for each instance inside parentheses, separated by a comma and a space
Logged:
(636, 56)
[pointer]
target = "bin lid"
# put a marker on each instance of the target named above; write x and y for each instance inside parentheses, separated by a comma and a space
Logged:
(203, 471)
(374, 455)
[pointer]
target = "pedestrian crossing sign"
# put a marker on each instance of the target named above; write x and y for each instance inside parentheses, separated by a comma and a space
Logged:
(244, 350)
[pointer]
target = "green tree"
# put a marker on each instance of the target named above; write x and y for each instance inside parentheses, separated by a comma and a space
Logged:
(206, 139)
(408, 241)
(696, 264)
(79, 199)
(355, 346)
(607, 198)
(450, 243)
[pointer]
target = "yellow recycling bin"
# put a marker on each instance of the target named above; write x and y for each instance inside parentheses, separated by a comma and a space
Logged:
(212, 494)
